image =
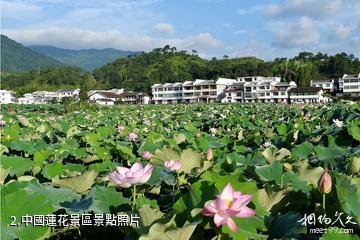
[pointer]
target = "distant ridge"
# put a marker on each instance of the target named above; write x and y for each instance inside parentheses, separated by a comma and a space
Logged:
(17, 58)
(87, 59)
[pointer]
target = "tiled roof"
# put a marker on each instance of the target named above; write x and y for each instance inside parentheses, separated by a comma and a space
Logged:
(305, 89)
(129, 94)
(107, 94)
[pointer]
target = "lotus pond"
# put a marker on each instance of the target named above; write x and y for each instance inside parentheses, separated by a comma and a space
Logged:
(250, 171)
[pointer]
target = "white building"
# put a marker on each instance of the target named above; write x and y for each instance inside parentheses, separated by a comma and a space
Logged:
(350, 84)
(116, 91)
(307, 95)
(43, 97)
(234, 93)
(74, 93)
(265, 90)
(7, 97)
(280, 91)
(258, 88)
(110, 98)
(134, 98)
(104, 98)
(28, 98)
(167, 93)
(328, 85)
(191, 91)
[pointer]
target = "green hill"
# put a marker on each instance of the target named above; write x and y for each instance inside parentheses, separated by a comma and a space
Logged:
(50, 79)
(17, 58)
(87, 59)
(169, 65)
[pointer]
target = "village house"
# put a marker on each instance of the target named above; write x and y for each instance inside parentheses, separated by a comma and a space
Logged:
(28, 98)
(234, 93)
(104, 98)
(307, 95)
(74, 93)
(43, 97)
(191, 91)
(258, 88)
(350, 85)
(280, 91)
(7, 97)
(328, 85)
(169, 93)
(134, 98)
(116, 91)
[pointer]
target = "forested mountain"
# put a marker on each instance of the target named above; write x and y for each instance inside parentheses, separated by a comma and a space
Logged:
(87, 59)
(48, 79)
(17, 58)
(169, 65)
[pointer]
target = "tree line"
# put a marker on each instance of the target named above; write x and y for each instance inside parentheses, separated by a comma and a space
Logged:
(167, 64)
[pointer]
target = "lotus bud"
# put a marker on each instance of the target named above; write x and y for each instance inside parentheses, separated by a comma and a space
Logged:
(209, 154)
(147, 155)
(325, 183)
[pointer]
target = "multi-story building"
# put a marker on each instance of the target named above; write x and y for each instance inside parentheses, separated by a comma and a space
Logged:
(7, 97)
(328, 85)
(280, 91)
(307, 95)
(191, 91)
(167, 93)
(258, 88)
(235, 92)
(259, 91)
(350, 85)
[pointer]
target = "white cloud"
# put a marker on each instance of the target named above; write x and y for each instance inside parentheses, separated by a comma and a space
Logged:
(303, 33)
(342, 32)
(309, 8)
(201, 42)
(96, 3)
(164, 28)
(78, 39)
(19, 10)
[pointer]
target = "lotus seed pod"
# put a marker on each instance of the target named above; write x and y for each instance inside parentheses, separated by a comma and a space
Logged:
(354, 166)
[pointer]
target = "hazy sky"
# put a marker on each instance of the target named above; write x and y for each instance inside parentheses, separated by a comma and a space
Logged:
(266, 29)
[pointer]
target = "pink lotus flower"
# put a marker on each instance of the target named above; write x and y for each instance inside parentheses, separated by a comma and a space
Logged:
(132, 136)
(173, 165)
(147, 155)
(227, 204)
(126, 177)
(2, 123)
(120, 129)
(51, 118)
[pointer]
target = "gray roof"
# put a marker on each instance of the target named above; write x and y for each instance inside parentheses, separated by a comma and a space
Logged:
(305, 89)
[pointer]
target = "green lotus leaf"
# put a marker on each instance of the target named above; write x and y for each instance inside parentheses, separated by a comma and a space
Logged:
(80, 184)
